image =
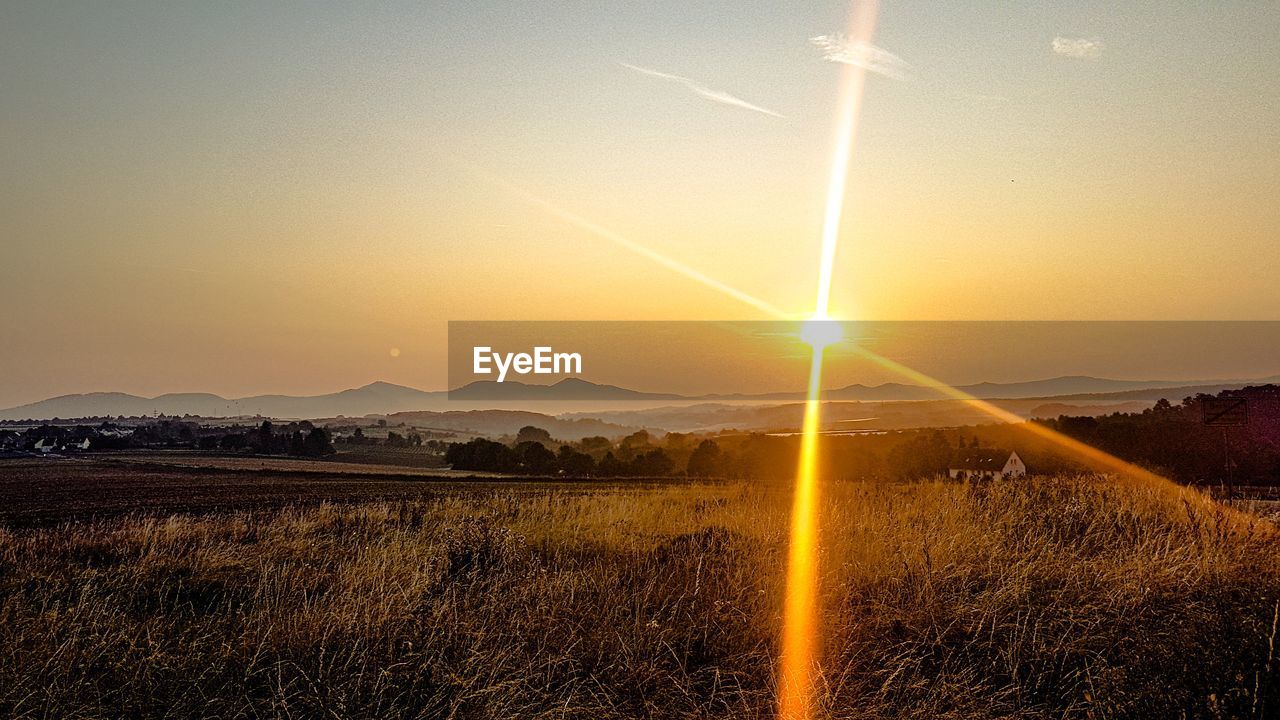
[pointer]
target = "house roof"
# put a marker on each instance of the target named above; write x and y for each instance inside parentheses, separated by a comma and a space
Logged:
(980, 459)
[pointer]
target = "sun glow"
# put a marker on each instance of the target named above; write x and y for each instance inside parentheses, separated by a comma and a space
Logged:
(798, 674)
(799, 633)
(820, 332)
(797, 668)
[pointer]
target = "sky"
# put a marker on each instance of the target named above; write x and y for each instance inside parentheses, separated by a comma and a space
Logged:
(242, 197)
(707, 357)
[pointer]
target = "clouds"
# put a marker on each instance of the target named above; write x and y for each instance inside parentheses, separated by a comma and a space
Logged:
(838, 48)
(1078, 48)
(718, 96)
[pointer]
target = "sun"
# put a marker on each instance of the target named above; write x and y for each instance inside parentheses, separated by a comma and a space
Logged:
(818, 332)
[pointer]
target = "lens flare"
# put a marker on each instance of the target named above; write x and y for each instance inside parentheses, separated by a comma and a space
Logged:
(1099, 459)
(799, 634)
(798, 664)
(862, 26)
(643, 250)
(797, 675)
(818, 333)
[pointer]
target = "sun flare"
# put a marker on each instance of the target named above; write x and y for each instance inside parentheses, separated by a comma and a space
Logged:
(820, 332)
(800, 634)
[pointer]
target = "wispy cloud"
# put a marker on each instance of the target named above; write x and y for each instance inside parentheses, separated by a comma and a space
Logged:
(840, 49)
(719, 96)
(1079, 48)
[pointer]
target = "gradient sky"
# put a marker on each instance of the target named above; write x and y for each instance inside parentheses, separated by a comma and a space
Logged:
(270, 197)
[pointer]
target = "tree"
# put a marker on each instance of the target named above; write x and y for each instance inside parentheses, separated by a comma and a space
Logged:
(317, 444)
(265, 440)
(233, 441)
(574, 463)
(654, 463)
(481, 454)
(610, 466)
(535, 458)
(636, 440)
(634, 445)
(676, 442)
(529, 433)
(595, 445)
(705, 460)
(923, 455)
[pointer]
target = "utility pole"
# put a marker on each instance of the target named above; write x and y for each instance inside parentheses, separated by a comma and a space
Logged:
(1225, 412)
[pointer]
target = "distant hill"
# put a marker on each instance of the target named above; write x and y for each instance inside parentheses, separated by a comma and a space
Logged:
(495, 423)
(570, 389)
(379, 398)
(375, 398)
(1057, 409)
(1067, 385)
(382, 398)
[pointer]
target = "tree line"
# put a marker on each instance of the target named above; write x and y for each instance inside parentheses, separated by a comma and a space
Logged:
(730, 455)
(302, 439)
(1170, 439)
(1173, 439)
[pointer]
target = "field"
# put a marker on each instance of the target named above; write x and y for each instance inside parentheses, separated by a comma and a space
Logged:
(311, 595)
(41, 492)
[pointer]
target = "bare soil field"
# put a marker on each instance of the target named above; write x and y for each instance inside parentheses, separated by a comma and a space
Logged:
(415, 457)
(341, 464)
(40, 491)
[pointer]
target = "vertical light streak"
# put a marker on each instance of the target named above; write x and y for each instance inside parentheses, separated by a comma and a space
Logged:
(799, 633)
(862, 26)
(797, 666)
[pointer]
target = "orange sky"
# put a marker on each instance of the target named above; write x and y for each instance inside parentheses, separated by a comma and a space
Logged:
(244, 199)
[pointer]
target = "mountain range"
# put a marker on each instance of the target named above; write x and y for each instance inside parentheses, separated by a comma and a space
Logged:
(374, 398)
(381, 398)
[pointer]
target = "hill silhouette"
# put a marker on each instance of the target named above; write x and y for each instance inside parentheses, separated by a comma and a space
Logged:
(381, 398)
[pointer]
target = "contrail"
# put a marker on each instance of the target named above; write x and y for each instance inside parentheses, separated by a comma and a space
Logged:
(719, 96)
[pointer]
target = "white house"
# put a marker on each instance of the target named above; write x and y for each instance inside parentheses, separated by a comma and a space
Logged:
(986, 464)
(46, 445)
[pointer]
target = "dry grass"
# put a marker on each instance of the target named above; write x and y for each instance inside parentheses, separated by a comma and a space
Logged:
(1056, 598)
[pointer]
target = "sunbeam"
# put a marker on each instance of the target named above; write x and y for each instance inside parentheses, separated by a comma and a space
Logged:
(618, 239)
(799, 632)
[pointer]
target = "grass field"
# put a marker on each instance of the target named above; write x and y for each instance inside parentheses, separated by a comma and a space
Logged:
(1056, 597)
